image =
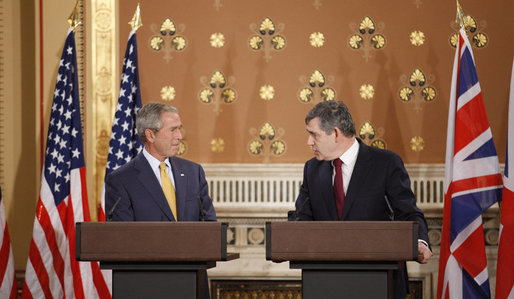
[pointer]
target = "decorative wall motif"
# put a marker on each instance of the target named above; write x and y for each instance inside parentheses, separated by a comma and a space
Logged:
(217, 90)
(317, 39)
(267, 141)
(267, 92)
(217, 4)
(182, 148)
(167, 38)
(478, 38)
(372, 137)
(317, 88)
(417, 89)
(417, 143)
(217, 145)
(417, 38)
(267, 37)
(317, 4)
(217, 40)
(367, 37)
(168, 93)
(367, 91)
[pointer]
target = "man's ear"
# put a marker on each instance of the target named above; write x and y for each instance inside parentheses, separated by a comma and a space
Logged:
(150, 135)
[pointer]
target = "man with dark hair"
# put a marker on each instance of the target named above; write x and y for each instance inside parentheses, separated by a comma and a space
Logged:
(350, 181)
(156, 185)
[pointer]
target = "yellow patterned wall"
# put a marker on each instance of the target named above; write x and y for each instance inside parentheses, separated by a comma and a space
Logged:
(244, 73)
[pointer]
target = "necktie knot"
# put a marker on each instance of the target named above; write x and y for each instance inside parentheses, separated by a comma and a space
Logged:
(162, 166)
(338, 162)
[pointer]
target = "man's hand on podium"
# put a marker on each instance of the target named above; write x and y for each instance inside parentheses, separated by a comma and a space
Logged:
(424, 253)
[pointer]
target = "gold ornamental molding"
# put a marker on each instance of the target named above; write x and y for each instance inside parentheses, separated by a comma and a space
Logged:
(104, 63)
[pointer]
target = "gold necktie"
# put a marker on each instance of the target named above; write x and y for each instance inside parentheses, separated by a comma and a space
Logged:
(169, 191)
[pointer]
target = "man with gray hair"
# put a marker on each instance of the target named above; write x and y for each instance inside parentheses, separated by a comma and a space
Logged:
(156, 185)
(350, 181)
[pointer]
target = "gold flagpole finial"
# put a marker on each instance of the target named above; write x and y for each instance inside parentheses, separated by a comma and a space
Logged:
(460, 16)
(74, 20)
(136, 19)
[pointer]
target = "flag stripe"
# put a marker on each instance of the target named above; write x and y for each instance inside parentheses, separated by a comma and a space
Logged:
(505, 268)
(52, 270)
(473, 183)
(8, 284)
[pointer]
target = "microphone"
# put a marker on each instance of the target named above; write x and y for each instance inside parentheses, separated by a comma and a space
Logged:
(202, 212)
(109, 215)
(294, 215)
(299, 211)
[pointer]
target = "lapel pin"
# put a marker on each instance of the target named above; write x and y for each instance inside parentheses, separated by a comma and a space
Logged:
(181, 174)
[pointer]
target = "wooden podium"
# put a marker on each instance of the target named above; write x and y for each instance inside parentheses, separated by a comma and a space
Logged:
(343, 259)
(154, 259)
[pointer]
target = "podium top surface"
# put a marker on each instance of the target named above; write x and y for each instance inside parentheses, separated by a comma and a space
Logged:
(151, 241)
(341, 241)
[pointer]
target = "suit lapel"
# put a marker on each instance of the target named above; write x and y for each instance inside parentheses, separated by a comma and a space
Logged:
(180, 177)
(147, 178)
(358, 178)
(327, 189)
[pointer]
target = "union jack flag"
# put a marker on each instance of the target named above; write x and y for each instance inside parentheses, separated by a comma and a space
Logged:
(505, 265)
(125, 143)
(473, 183)
(52, 271)
(8, 285)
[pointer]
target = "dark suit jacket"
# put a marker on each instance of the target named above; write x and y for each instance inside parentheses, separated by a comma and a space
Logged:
(141, 198)
(379, 190)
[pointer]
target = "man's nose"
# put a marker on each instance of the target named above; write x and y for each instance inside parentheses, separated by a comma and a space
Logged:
(310, 140)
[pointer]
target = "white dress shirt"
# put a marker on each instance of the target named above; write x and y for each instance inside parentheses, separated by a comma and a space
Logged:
(155, 165)
(349, 158)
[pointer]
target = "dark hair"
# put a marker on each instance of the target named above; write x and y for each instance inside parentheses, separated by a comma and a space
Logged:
(149, 117)
(332, 114)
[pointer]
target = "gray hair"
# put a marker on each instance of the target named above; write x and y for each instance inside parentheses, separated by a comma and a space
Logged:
(332, 114)
(149, 117)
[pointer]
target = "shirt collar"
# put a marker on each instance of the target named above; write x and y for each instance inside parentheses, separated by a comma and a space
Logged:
(350, 155)
(154, 162)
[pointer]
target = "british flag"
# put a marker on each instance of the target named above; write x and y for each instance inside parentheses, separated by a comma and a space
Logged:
(52, 271)
(473, 183)
(8, 285)
(505, 265)
(125, 143)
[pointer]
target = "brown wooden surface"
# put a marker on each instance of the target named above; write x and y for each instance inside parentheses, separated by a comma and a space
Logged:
(341, 241)
(150, 241)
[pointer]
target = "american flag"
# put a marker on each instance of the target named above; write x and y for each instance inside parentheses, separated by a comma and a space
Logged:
(505, 264)
(52, 271)
(125, 143)
(473, 183)
(8, 286)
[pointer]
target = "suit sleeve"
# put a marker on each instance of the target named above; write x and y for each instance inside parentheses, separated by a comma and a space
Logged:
(303, 208)
(207, 206)
(117, 202)
(401, 198)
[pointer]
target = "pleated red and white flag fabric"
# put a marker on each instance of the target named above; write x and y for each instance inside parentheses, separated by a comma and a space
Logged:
(52, 271)
(505, 264)
(473, 182)
(8, 285)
